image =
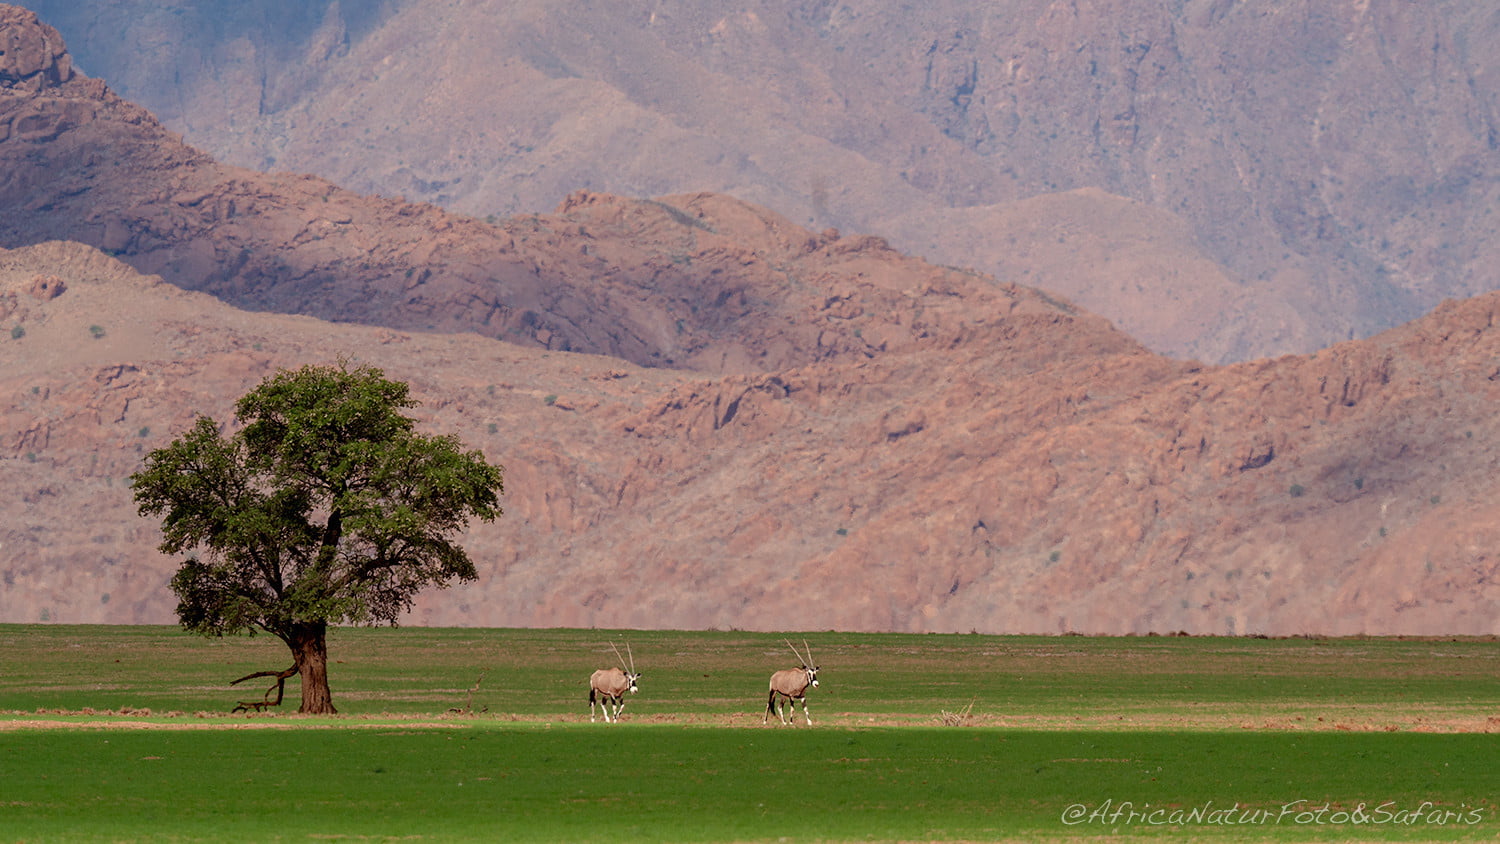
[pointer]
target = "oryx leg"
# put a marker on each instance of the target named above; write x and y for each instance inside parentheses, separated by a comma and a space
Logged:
(770, 707)
(591, 707)
(619, 706)
(804, 713)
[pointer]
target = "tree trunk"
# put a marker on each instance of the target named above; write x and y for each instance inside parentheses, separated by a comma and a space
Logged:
(309, 644)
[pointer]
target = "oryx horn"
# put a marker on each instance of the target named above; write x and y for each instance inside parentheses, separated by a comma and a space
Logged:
(800, 658)
(631, 669)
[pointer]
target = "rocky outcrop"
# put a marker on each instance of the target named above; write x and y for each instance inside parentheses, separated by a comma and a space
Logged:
(32, 55)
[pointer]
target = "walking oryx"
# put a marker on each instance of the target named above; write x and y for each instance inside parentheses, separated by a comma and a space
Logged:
(791, 685)
(610, 685)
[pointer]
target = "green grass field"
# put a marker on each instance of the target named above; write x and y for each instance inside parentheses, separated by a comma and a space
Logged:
(1068, 738)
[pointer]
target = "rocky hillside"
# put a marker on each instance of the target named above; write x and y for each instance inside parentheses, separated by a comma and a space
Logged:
(1330, 170)
(712, 416)
(1040, 475)
(700, 281)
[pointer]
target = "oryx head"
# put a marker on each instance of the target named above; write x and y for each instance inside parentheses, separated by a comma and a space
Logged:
(630, 673)
(807, 665)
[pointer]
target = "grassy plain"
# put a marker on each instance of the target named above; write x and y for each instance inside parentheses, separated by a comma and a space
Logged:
(1254, 736)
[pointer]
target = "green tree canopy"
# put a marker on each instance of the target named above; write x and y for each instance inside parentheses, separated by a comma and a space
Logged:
(326, 507)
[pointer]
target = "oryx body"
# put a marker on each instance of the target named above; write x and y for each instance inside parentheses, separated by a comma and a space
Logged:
(610, 685)
(789, 686)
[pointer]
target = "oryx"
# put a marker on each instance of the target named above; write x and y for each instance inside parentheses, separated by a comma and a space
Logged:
(791, 685)
(610, 685)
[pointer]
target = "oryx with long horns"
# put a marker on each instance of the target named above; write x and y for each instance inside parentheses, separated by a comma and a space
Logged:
(790, 686)
(610, 685)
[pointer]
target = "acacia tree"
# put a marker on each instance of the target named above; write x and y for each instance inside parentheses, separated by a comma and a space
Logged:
(326, 507)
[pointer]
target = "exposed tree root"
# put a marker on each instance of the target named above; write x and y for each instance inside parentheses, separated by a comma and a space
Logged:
(265, 701)
(469, 706)
(961, 718)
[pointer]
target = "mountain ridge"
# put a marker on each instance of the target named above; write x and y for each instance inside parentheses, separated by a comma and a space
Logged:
(1322, 206)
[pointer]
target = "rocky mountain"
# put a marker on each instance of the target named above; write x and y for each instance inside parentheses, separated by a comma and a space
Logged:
(700, 281)
(710, 415)
(1274, 179)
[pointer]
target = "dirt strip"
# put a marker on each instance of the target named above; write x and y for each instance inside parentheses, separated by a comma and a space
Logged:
(213, 724)
(1344, 721)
